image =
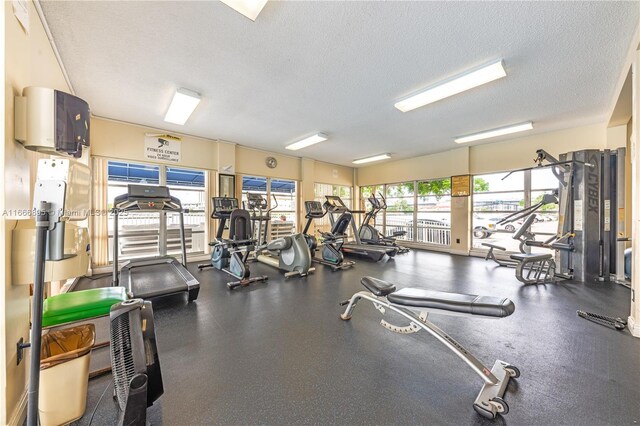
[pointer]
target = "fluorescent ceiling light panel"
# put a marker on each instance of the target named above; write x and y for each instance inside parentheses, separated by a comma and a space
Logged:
(249, 8)
(454, 86)
(374, 158)
(311, 140)
(182, 106)
(495, 132)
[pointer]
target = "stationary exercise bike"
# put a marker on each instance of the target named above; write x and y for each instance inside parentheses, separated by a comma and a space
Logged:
(333, 241)
(369, 234)
(230, 255)
(290, 254)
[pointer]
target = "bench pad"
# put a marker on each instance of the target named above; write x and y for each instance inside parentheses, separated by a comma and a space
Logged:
(530, 256)
(80, 305)
(378, 287)
(456, 302)
(494, 246)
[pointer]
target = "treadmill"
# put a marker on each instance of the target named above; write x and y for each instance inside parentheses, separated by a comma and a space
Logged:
(159, 275)
(335, 205)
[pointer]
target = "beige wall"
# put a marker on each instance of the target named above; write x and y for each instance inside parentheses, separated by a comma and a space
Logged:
(113, 139)
(486, 158)
(305, 171)
(29, 61)
(617, 136)
(251, 162)
(634, 318)
(439, 165)
(520, 152)
(332, 174)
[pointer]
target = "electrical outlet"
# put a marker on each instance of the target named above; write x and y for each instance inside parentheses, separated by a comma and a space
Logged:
(457, 240)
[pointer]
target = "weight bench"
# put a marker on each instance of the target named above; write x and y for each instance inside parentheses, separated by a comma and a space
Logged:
(384, 296)
(491, 255)
(523, 235)
(534, 268)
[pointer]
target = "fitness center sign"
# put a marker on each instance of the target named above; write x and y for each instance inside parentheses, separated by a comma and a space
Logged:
(162, 148)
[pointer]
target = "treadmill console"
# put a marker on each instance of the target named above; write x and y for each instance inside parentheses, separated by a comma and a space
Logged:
(314, 209)
(335, 203)
(148, 191)
(223, 206)
(147, 198)
(256, 202)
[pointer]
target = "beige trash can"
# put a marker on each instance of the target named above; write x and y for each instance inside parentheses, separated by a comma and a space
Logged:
(64, 374)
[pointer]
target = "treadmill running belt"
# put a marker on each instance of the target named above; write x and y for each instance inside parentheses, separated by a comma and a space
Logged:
(156, 280)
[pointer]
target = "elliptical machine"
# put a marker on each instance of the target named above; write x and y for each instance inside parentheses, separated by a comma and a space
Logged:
(230, 255)
(331, 254)
(290, 254)
(369, 234)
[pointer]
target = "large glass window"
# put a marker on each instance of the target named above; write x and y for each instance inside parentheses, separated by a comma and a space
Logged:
(500, 194)
(366, 192)
(434, 212)
(255, 185)
(283, 201)
(139, 232)
(496, 196)
(189, 187)
(284, 215)
(543, 181)
(400, 208)
(319, 192)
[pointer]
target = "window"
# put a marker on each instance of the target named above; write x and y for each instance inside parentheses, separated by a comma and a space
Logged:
(322, 189)
(368, 191)
(433, 225)
(189, 187)
(495, 197)
(421, 210)
(140, 232)
(284, 216)
(283, 201)
(543, 181)
(400, 208)
(255, 185)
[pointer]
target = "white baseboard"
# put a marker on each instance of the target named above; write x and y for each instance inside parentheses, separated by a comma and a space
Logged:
(19, 415)
(634, 327)
(459, 252)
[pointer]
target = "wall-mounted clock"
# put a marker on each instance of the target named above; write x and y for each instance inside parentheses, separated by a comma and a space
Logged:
(271, 162)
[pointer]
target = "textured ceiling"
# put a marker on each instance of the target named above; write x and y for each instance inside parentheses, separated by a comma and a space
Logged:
(338, 67)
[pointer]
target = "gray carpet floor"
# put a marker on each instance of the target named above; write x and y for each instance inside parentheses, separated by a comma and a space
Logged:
(278, 353)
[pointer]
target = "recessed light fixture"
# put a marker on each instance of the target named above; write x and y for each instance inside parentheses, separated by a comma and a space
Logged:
(182, 105)
(453, 86)
(495, 132)
(249, 8)
(370, 159)
(311, 140)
